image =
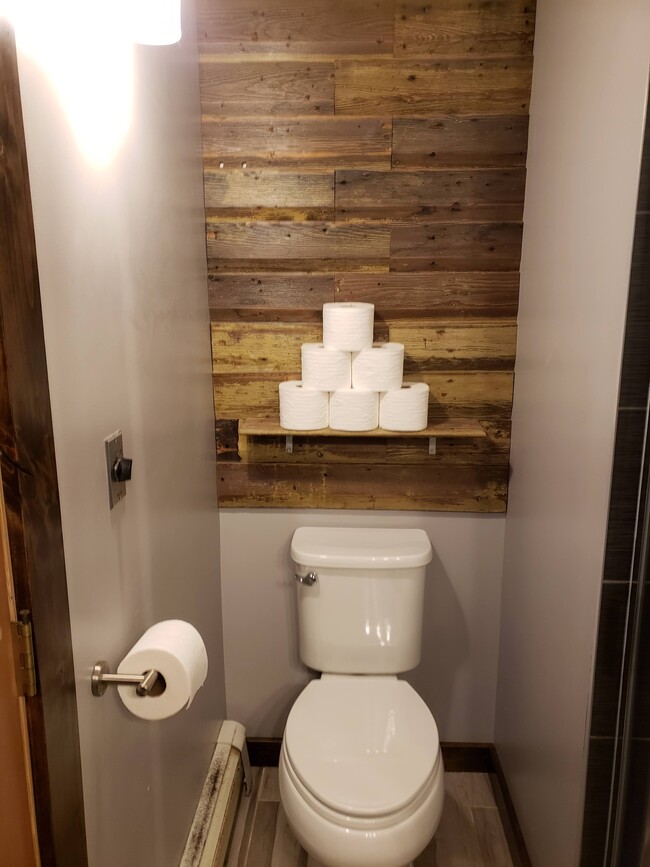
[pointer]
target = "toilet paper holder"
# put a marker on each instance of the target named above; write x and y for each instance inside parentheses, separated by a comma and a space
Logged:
(101, 677)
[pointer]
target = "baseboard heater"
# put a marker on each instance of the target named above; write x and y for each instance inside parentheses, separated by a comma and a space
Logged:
(229, 775)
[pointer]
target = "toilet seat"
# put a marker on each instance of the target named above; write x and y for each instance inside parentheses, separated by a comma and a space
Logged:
(364, 749)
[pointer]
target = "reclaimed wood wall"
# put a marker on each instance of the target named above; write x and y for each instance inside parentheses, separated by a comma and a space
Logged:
(369, 150)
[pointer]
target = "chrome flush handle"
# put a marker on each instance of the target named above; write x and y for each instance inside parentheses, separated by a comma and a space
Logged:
(308, 580)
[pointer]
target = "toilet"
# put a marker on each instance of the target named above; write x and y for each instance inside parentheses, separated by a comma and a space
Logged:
(361, 773)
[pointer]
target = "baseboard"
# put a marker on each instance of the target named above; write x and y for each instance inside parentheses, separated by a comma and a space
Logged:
(473, 758)
(264, 752)
(512, 830)
(207, 843)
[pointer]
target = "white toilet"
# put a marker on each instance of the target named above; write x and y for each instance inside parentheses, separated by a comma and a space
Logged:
(361, 774)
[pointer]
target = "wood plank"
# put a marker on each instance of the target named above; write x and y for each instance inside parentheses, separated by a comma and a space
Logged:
(460, 428)
(431, 344)
(266, 87)
(456, 247)
(459, 87)
(267, 347)
(280, 26)
(476, 194)
(453, 394)
(491, 450)
(297, 142)
(270, 347)
(269, 297)
(269, 195)
(298, 266)
(455, 27)
(298, 241)
(362, 486)
(471, 142)
(440, 293)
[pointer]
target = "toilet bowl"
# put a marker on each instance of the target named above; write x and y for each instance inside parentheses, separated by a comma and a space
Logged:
(361, 774)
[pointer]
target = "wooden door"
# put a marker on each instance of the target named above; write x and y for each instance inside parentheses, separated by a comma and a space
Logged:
(18, 844)
(31, 519)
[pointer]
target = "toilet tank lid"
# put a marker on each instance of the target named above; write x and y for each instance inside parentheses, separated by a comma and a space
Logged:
(354, 548)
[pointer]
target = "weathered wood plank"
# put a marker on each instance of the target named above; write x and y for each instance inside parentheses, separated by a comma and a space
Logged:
(309, 266)
(491, 450)
(263, 194)
(458, 87)
(279, 297)
(267, 346)
(474, 345)
(363, 486)
(455, 27)
(281, 26)
(266, 87)
(416, 295)
(298, 241)
(428, 344)
(227, 439)
(473, 142)
(297, 142)
(456, 247)
(477, 194)
(477, 394)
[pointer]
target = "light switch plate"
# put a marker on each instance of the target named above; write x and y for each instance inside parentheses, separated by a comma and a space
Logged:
(114, 451)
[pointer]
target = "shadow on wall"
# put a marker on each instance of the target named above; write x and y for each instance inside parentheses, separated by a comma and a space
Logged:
(277, 706)
(445, 648)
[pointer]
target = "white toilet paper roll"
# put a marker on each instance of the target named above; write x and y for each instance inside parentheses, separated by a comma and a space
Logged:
(176, 650)
(405, 408)
(325, 369)
(354, 409)
(302, 408)
(348, 325)
(378, 368)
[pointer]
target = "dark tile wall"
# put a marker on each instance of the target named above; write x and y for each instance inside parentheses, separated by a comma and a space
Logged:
(617, 668)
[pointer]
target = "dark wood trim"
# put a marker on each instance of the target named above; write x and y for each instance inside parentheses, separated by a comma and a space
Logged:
(264, 752)
(516, 842)
(474, 758)
(30, 488)
(467, 758)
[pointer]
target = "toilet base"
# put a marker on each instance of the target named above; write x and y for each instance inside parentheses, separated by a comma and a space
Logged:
(369, 843)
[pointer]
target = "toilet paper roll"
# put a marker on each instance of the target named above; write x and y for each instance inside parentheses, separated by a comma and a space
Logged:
(325, 369)
(348, 325)
(405, 408)
(302, 408)
(354, 409)
(176, 650)
(378, 368)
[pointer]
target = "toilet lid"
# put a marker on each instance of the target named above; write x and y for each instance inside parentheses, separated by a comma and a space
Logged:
(362, 745)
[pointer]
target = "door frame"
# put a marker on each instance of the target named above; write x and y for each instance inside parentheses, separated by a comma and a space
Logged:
(30, 488)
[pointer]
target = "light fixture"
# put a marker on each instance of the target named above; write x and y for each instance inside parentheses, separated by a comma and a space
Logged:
(155, 22)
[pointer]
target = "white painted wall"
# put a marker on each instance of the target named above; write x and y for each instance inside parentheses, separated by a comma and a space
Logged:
(457, 675)
(114, 155)
(589, 86)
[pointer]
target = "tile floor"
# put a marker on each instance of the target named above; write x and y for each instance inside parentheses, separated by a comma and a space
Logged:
(470, 832)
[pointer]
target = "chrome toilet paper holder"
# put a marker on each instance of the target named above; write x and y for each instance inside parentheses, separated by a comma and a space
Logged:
(101, 677)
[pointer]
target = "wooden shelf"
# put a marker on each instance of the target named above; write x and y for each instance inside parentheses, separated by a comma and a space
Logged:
(455, 428)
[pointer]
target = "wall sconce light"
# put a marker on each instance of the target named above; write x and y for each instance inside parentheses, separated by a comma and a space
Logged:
(155, 22)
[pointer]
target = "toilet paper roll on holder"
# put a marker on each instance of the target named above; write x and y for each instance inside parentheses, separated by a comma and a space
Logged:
(101, 678)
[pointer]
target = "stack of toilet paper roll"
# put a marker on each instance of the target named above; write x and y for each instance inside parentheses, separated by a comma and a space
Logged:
(350, 383)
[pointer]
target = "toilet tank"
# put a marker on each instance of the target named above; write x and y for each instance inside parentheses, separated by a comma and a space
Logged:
(363, 613)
